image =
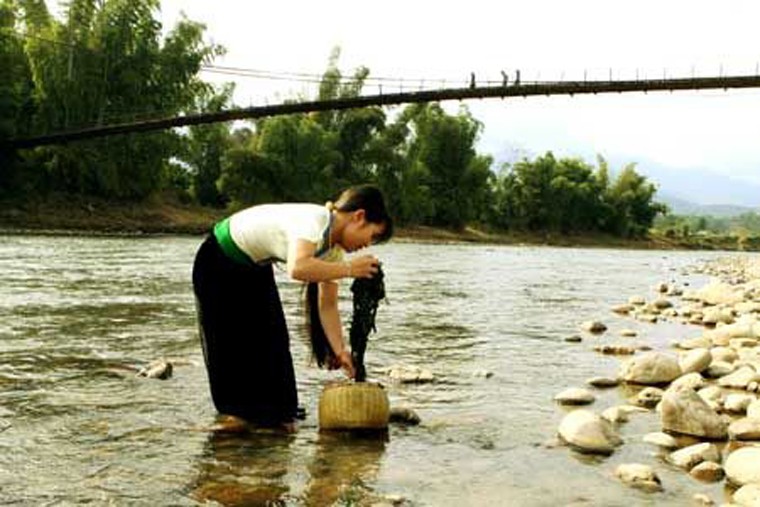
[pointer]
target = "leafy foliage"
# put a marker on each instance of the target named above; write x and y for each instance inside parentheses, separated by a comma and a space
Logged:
(106, 62)
(568, 195)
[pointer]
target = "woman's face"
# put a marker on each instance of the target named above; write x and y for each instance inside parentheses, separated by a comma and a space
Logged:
(359, 233)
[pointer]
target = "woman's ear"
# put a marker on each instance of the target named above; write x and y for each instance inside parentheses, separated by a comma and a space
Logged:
(359, 215)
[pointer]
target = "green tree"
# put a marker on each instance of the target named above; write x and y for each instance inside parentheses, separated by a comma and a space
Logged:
(206, 145)
(305, 153)
(631, 198)
(107, 62)
(354, 128)
(443, 158)
(16, 95)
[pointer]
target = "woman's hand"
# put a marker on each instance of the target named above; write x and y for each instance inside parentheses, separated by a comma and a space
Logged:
(345, 361)
(363, 266)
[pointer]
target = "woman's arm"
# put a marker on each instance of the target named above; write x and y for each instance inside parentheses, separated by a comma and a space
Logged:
(330, 318)
(302, 265)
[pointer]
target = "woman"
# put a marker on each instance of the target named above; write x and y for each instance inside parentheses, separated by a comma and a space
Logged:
(242, 324)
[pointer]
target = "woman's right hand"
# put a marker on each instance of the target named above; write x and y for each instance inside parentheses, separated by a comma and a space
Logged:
(363, 266)
(344, 361)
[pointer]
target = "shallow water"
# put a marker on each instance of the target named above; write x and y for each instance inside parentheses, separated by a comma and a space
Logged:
(78, 314)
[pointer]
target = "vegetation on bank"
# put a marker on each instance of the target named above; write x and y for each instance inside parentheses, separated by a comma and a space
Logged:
(107, 61)
(68, 215)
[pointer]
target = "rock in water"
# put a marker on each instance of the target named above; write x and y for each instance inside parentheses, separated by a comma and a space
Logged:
(404, 415)
(157, 369)
(587, 432)
(575, 396)
(639, 476)
(368, 292)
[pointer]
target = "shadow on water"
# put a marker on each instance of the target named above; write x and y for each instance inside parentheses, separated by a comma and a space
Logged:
(256, 467)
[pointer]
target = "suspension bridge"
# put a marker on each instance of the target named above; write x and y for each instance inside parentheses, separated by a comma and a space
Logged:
(502, 90)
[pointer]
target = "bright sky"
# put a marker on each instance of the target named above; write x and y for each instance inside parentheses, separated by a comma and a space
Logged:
(716, 131)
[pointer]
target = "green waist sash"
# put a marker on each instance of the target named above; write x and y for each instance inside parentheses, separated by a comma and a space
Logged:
(227, 244)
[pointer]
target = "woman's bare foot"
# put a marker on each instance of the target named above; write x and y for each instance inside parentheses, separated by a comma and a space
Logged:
(290, 427)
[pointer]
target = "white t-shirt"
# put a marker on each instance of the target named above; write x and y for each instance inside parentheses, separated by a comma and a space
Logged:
(265, 232)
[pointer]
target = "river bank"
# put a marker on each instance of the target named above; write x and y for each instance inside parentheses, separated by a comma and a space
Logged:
(703, 398)
(67, 215)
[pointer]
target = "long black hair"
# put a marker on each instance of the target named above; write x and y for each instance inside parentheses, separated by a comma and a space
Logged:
(370, 199)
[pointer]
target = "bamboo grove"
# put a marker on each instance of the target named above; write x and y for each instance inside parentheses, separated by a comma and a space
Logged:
(103, 61)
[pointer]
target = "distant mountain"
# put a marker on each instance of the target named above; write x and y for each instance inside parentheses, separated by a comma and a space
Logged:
(702, 187)
(687, 190)
(683, 207)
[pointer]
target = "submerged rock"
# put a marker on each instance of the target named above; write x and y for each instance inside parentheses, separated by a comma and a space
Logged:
(662, 304)
(587, 432)
(404, 415)
(603, 382)
(620, 413)
(639, 476)
(615, 350)
(661, 439)
(405, 374)
(648, 397)
(159, 369)
(575, 396)
(594, 326)
(702, 499)
(623, 309)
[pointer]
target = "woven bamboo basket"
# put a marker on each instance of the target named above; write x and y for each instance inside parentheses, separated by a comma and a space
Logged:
(354, 406)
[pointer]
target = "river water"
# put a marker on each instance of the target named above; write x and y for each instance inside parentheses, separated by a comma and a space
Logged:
(77, 426)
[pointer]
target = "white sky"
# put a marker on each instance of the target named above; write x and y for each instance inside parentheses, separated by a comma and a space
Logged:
(717, 131)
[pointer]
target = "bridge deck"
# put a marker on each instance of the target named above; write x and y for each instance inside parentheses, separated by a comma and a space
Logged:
(512, 90)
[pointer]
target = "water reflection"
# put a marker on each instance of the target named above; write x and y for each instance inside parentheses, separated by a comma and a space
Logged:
(244, 466)
(343, 466)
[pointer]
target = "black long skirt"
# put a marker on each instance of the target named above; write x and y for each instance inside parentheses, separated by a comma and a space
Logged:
(245, 338)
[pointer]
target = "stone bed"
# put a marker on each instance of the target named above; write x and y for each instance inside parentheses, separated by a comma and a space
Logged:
(704, 389)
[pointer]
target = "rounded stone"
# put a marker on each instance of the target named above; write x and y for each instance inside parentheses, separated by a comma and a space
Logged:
(743, 466)
(707, 471)
(575, 396)
(587, 432)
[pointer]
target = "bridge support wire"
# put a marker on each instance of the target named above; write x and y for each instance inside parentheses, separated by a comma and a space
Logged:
(522, 89)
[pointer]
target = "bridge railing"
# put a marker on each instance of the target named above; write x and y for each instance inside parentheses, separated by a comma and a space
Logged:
(471, 90)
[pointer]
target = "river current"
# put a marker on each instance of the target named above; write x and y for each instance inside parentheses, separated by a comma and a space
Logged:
(78, 315)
